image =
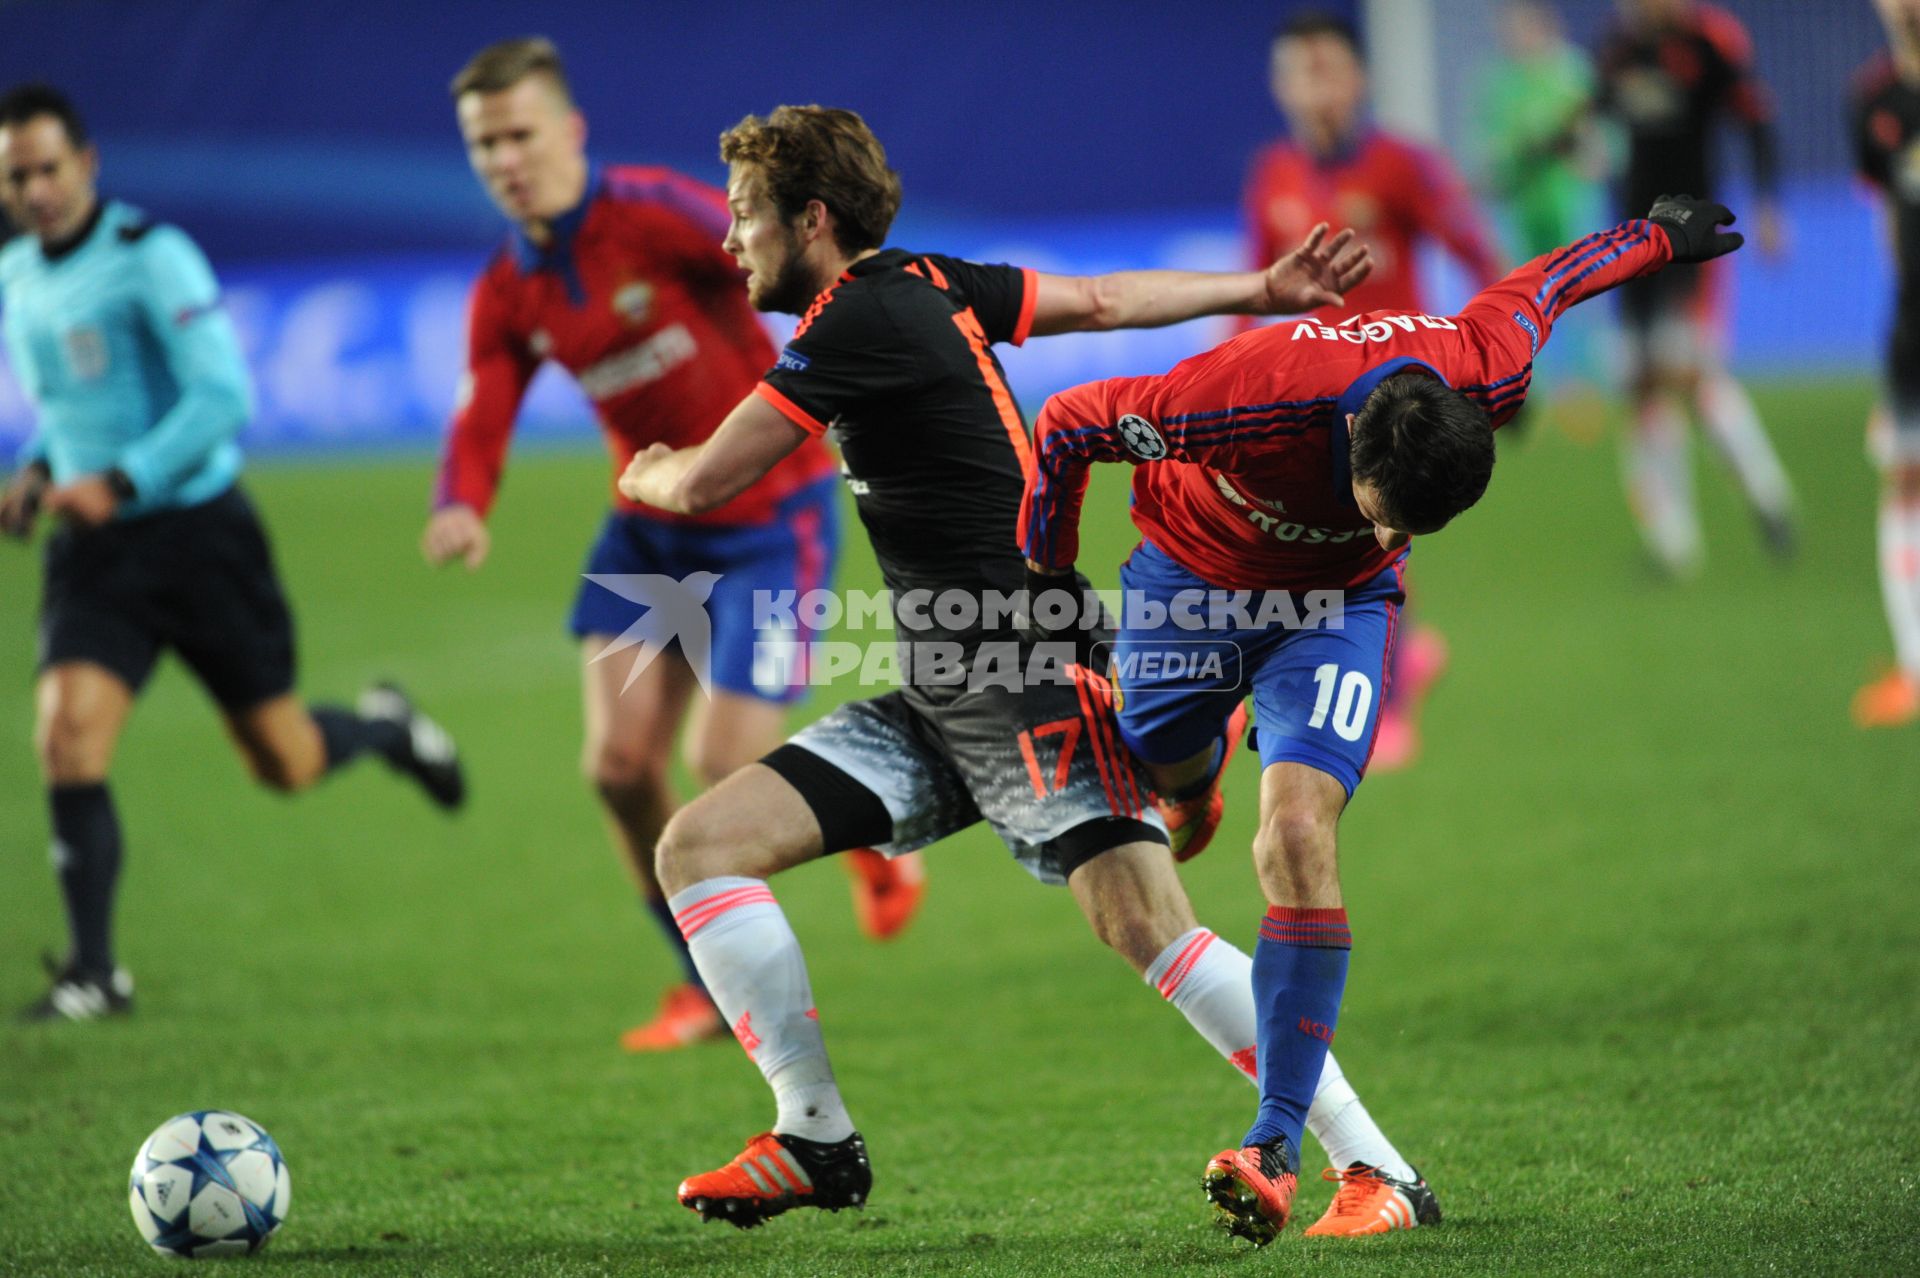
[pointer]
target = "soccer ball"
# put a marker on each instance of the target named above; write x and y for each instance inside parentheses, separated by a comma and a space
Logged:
(208, 1183)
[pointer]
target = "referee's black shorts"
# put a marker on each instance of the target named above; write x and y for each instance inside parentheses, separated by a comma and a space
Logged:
(198, 580)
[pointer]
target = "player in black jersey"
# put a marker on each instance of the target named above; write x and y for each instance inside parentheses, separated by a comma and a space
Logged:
(894, 356)
(1886, 135)
(1671, 71)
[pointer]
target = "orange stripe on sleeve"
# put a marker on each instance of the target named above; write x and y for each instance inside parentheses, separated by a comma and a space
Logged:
(791, 411)
(1029, 294)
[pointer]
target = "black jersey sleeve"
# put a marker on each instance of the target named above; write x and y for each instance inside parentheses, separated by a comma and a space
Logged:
(1000, 296)
(1868, 158)
(847, 351)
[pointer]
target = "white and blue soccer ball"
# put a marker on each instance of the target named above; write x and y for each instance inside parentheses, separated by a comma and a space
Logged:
(208, 1183)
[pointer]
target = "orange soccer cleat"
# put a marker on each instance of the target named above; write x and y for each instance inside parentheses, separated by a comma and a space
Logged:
(1418, 666)
(1252, 1189)
(1371, 1202)
(1193, 821)
(1891, 701)
(776, 1173)
(686, 1016)
(886, 892)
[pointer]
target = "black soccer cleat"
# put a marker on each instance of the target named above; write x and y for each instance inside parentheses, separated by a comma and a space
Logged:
(79, 995)
(776, 1172)
(427, 753)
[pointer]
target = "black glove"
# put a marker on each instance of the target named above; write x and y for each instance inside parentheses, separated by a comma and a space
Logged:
(1691, 227)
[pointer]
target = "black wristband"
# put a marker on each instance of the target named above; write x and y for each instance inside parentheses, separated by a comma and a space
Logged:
(121, 484)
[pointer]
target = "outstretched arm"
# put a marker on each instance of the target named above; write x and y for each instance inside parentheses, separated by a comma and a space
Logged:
(1506, 325)
(692, 481)
(1315, 274)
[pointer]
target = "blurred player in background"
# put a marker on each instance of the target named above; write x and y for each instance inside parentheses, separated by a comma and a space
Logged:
(894, 353)
(1336, 166)
(1359, 445)
(115, 330)
(617, 275)
(1541, 155)
(1670, 72)
(1886, 135)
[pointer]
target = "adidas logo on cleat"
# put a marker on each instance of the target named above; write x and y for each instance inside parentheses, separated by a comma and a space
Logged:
(776, 1173)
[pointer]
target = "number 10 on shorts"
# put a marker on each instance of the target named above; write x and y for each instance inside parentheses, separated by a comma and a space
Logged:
(1350, 710)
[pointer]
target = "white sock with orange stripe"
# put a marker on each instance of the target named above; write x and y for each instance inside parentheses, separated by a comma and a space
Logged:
(1211, 982)
(750, 959)
(1900, 578)
(1727, 412)
(1658, 464)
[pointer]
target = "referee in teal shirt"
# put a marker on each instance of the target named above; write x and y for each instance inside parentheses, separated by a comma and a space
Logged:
(114, 328)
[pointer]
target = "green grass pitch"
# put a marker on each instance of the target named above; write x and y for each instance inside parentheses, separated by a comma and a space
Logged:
(1637, 980)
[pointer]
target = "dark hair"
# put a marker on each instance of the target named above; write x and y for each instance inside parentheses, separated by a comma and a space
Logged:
(31, 101)
(1424, 448)
(499, 67)
(1304, 24)
(825, 154)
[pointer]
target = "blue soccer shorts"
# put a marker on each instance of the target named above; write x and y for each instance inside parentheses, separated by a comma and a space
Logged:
(795, 552)
(1316, 673)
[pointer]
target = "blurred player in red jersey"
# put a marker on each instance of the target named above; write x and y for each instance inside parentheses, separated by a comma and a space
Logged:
(1338, 167)
(617, 275)
(1886, 136)
(1670, 71)
(1292, 462)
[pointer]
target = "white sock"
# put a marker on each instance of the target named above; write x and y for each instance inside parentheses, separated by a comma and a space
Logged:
(751, 962)
(1347, 1131)
(1659, 474)
(1734, 426)
(1211, 982)
(1900, 578)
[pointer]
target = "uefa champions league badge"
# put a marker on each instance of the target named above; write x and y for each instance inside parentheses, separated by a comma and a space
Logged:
(1143, 438)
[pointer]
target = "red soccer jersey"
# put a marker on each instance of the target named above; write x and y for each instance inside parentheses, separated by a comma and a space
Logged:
(634, 296)
(1392, 192)
(1246, 483)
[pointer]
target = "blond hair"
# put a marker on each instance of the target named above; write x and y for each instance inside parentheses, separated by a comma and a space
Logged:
(821, 153)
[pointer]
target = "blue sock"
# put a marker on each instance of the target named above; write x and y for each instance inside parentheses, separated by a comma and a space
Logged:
(663, 914)
(1299, 973)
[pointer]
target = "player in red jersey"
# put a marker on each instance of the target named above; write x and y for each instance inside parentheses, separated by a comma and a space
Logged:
(1886, 135)
(1670, 71)
(617, 275)
(1290, 461)
(1337, 167)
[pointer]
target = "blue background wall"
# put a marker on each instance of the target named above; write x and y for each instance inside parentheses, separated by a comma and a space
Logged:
(311, 150)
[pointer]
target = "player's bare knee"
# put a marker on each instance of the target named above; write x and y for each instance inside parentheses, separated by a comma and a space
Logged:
(72, 749)
(1294, 849)
(623, 775)
(692, 849)
(282, 773)
(712, 762)
(1904, 480)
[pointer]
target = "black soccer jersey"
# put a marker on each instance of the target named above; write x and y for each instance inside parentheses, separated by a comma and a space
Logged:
(1886, 139)
(896, 358)
(1670, 88)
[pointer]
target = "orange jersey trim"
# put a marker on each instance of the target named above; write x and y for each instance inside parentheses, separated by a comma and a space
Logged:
(969, 325)
(791, 411)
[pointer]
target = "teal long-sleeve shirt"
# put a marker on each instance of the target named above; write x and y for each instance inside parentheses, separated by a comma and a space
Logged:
(123, 349)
